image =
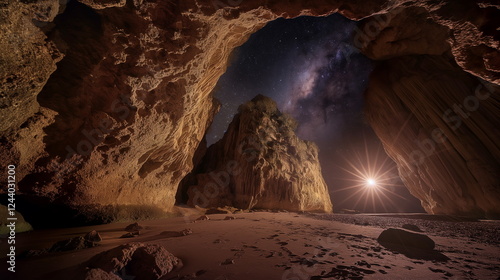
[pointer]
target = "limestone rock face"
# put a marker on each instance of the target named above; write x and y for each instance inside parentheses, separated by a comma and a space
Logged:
(119, 120)
(440, 125)
(27, 60)
(261, 163)
(402, 31)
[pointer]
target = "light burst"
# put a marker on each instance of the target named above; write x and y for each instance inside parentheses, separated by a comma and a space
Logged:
(372, 180)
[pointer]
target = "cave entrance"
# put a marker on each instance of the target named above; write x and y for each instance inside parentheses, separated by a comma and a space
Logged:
(311, 68)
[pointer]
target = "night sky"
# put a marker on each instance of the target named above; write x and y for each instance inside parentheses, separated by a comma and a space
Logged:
(309, 66)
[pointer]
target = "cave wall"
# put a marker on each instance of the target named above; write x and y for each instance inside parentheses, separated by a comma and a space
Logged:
(119, 120)
(440, 125)
(437, 122)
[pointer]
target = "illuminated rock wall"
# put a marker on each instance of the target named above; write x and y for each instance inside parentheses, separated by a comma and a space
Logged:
(119, 120)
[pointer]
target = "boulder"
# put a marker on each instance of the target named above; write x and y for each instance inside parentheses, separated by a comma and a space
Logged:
(142, 261)
(398, 239)
(135, 227)
(93, 236)
(75, 243)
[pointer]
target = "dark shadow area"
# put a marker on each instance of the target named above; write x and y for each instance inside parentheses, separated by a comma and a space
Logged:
(56, 214)
(415, 253)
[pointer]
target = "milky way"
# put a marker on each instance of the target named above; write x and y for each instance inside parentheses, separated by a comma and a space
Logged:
(310, 68)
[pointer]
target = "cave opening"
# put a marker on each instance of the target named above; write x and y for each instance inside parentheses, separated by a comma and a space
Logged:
(311, 67)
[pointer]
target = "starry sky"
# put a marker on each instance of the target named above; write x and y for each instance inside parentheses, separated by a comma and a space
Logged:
(309, 66)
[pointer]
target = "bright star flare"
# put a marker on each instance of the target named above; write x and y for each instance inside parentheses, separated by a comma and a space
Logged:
(373, 180)
(371, 183)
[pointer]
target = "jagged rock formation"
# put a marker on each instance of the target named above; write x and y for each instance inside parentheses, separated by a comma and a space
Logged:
(139, 260)
(261, 163)
(119, 120)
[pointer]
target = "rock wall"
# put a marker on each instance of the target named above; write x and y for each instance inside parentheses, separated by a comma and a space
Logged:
(437, 122)
(261, 163)
(119, 120)
(440, 125)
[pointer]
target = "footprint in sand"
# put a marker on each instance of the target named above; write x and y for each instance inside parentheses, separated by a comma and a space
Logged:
(437, 270)
(344, 272)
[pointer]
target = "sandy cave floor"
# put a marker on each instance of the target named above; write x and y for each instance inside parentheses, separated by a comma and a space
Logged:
(267, 245)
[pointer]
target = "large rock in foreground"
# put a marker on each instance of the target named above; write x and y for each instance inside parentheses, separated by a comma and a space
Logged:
(412, 245)
(394, 238)
(261, 163)
(138, 260)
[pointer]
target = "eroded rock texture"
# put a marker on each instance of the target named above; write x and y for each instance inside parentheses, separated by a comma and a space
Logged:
(121, 117)
(440, 125)
(261, 163)
(137, 260)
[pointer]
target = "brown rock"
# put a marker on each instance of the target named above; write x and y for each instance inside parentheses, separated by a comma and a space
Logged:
(135, 227)
(229, 218)
(99, 274)
(412, 245)
(402, 32)
(93, 236)
(203, 218)
(25, 71)
(75, 243)
(130, 234)
(144, 261)
(103, 4)
(397, 238)
(152, 262)
(447, 158)
(115, 259)
(261, 163)
(183, 232)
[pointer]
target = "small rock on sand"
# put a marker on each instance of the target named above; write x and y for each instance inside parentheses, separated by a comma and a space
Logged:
(75, 243)
(203, 218)
(93, 236)
(134, 227)
(229, 218)
(130, 234)
(183, 232)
